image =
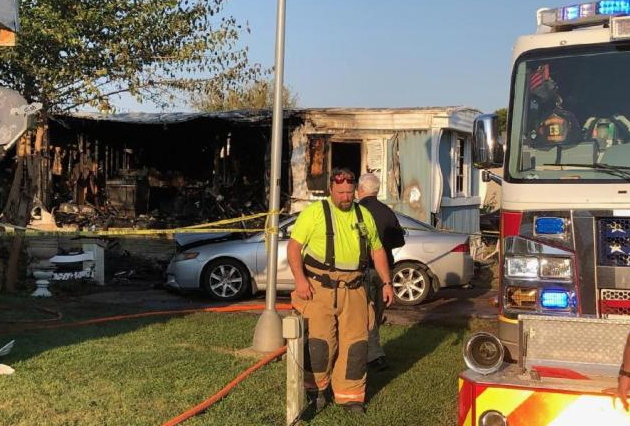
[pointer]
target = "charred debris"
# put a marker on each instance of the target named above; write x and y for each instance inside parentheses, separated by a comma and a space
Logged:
(150, 171)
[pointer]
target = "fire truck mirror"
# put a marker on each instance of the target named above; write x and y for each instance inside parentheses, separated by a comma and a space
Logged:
(487, 147)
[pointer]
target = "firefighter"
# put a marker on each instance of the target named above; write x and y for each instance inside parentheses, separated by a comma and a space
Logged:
(328, 255)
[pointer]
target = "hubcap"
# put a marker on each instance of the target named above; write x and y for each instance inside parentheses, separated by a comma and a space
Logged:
(225, 280)
(409, 284)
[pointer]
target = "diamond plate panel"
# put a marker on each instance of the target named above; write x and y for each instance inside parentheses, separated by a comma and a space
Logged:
(584, 344)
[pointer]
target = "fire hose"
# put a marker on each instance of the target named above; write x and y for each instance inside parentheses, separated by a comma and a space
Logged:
(223, 392)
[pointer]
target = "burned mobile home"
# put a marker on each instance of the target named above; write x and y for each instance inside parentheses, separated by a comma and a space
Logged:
(176, 169)
(160, 170)
(422, 156)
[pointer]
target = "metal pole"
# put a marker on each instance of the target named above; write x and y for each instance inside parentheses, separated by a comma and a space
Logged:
(268, 333)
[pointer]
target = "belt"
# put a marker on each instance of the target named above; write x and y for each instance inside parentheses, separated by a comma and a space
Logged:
(314, 263)
(327, 282)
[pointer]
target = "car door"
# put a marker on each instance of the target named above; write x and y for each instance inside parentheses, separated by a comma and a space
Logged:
(284, 274)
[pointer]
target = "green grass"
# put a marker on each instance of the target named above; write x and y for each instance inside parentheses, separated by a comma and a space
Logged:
(143, 372)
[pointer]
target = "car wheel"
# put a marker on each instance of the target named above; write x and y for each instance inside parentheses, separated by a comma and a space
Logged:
(411, 282)
(225, 279)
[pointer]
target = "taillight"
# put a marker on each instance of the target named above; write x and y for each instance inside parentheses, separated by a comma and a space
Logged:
(462, 248)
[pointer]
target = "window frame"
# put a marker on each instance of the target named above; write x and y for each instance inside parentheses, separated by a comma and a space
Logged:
(459, 141)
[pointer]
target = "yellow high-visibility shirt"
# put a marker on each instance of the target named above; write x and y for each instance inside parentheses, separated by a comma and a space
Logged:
(310, 231)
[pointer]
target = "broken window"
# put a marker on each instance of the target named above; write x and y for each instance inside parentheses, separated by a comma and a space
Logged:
(317, 176)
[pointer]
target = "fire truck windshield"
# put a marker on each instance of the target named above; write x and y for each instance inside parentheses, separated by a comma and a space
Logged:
(571, 115)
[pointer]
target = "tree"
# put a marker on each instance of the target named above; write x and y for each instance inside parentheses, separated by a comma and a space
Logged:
(502, 113)
(257, 95)
(73, 53)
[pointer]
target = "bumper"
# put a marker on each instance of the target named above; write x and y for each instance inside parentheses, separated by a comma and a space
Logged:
(171, 282)
(184, 275)
(558, 402)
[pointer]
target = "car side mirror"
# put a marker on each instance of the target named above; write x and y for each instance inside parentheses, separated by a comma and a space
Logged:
(487, 148)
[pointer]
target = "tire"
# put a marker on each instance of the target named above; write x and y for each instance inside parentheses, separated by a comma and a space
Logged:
(225, 279)
(411, 282)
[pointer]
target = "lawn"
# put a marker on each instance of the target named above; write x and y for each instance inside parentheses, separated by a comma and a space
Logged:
(143, 372)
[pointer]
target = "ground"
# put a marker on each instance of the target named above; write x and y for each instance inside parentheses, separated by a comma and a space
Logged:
(146, 370)
(448, 306)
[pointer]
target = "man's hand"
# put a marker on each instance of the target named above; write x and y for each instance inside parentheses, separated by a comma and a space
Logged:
(388, 294)
(303, 288)
(622, 391)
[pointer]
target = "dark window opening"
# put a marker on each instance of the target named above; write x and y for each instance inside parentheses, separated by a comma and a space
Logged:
(346, 154)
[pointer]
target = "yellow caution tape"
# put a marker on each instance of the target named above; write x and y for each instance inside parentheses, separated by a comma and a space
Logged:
(194, 229)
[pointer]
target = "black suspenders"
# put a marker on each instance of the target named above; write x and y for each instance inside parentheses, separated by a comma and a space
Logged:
(330, 237)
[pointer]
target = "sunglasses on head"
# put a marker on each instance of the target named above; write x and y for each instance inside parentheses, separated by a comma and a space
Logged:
(341, 178)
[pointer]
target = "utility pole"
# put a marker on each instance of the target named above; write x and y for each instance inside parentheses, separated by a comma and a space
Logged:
(268, 333)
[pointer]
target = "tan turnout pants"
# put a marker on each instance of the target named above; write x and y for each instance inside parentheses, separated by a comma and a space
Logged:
(336, 344)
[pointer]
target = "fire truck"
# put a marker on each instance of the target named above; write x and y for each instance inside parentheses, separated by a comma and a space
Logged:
(564, 298)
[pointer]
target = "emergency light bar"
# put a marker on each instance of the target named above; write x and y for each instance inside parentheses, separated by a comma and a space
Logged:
(590, 13)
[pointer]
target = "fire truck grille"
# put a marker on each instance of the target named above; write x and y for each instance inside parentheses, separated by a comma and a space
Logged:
(614, 241)
(614, 303)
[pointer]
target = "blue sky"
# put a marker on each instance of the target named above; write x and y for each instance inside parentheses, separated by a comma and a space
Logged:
(390, 53)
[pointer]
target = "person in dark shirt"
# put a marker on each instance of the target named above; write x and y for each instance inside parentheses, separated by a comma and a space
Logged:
(392, 236)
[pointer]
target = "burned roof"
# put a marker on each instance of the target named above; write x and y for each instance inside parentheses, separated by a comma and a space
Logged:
(243, 117)
(253, 116)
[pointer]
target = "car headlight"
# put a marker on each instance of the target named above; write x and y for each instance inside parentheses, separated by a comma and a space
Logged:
(556, 267)
(185, 256)
(522, 267)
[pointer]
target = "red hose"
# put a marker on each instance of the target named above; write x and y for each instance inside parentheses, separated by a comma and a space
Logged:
(223, 392)
(230, 308)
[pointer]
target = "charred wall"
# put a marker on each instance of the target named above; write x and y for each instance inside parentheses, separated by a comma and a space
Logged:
(160, 175)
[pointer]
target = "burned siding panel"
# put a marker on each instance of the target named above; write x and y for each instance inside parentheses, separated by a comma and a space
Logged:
(300, 160)
(414, 156)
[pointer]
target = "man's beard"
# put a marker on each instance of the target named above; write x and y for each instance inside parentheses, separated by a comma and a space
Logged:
(345, 205)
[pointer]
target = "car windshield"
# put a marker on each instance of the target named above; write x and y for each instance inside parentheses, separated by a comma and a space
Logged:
(571, 115)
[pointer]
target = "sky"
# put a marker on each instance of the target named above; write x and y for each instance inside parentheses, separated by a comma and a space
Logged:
(389, 53)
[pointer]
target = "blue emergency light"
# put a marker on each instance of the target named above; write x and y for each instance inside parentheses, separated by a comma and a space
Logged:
(550, 226)
(571, 12)
(596, 11)
(614, 7)
(554, 299)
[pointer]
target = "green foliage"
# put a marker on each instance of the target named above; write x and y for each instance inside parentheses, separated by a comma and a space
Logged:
(502, 113)
(146, 371)
(72, 53)
(257, 95)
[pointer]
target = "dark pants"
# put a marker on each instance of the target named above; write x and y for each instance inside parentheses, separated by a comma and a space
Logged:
(375, 295)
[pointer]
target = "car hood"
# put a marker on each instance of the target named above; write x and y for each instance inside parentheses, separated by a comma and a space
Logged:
(186, 241)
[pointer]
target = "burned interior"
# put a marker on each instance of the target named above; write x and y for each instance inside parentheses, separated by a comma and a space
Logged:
(159, 171)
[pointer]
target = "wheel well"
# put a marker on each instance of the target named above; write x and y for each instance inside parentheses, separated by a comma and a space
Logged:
(435, 282)
(204, 270)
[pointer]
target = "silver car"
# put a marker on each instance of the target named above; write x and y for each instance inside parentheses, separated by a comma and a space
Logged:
(229, 266)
